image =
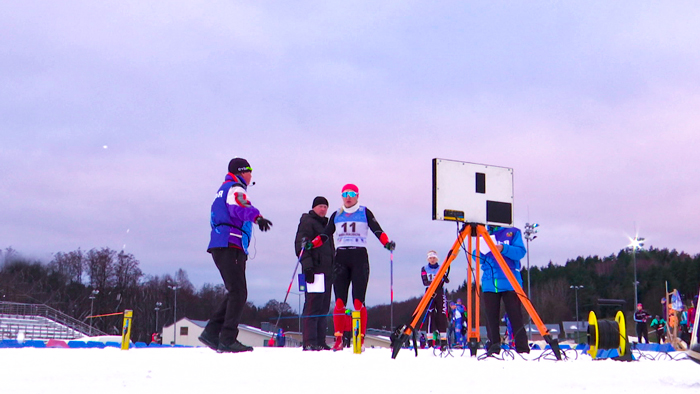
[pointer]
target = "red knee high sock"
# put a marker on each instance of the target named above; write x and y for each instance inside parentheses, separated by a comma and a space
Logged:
(339, 318)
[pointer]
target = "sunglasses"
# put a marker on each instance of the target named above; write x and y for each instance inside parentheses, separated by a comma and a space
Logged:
(349, 194)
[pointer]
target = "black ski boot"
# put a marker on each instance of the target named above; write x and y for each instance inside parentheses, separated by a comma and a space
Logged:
(233, 347)
(313, 348)
(210, 340)
(494, 349)
(522, 349)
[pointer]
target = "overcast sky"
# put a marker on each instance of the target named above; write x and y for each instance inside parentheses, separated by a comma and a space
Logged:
(118, 119)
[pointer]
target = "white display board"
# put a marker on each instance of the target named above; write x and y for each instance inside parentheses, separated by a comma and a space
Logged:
(473, 193)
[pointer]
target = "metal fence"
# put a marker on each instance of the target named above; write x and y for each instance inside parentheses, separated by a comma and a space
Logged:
(41, 321)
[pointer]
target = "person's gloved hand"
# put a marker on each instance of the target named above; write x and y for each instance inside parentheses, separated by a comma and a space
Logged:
(314, 243)
(263, 223)
(447, 280)
(309, 275)
(390, 246)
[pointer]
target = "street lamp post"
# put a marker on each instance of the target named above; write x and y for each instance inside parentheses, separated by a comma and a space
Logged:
(530, 231)
(578, 323)
(157, 308)
(174, 288)
(635, 243)
(94, 293)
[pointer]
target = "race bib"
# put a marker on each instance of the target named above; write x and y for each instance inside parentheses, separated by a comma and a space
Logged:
(351, 229)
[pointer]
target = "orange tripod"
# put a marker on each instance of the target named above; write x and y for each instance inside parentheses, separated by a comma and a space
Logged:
(405, 332)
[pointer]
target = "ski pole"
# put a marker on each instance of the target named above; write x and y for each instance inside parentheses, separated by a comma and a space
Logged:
(271, 342)
(426, 315)
(391, 281)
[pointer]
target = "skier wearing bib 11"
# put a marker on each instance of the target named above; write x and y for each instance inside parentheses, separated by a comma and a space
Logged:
(351, 223)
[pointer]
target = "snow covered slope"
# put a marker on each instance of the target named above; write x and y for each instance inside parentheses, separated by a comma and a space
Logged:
(289, 370)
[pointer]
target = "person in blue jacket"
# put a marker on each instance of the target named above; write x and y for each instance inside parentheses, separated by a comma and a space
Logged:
(232, 219)
(495, 288)
(459, 326)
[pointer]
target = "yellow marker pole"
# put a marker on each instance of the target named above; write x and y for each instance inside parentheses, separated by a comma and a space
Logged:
(356, 336)
(126, 329)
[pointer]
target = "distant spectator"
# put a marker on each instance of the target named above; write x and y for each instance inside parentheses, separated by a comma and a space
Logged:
(437, 316)
(672, 324)
(664, 312)
(684, 333)
(640, 317)
(458, 323)
(281, 340)
(691, 316)
(659, 326)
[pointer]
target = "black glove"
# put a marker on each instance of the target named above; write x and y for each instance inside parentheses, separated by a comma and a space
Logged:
(309, 275)
(447, 280)
(391, 245)
(263, 223)
(308, 245)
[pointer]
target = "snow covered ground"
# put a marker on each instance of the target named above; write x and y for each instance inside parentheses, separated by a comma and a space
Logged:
(289, 370)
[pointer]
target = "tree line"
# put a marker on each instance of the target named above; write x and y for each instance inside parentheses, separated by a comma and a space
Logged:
(66, 283)
(610, 277)
(70, 279)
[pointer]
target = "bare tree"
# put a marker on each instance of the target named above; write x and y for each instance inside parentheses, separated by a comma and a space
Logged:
(69, 265)
(100, 267)
(126, 271)
(551, 300)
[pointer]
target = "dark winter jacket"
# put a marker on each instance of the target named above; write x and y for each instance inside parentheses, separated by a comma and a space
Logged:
(641, 316)
(319, 259)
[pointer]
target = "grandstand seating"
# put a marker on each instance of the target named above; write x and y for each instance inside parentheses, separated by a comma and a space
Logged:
(40, 322)
(35, 327)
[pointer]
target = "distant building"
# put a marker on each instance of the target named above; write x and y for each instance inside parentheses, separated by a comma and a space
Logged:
(575, 330)
(554, 331)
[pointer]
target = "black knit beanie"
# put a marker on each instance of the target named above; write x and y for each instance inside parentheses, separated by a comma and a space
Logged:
(238, 165)
(318, 201)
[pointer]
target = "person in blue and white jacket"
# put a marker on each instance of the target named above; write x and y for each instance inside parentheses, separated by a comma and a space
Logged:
(232, 219)
(496, 287)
